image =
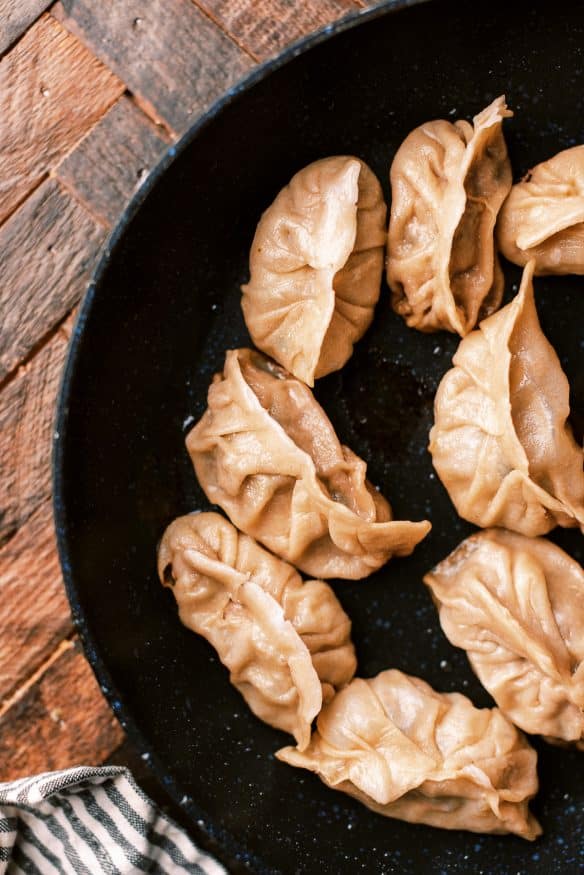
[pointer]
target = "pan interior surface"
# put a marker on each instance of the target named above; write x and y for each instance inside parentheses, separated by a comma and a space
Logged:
(164, 310)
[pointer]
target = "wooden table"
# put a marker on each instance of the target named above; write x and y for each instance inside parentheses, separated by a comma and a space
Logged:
(91, 92)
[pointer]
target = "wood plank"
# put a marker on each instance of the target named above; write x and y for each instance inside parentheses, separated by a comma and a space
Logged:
(16, 16)
(173, 59)
(265, 29)
(34, 611)
(26, 429)
(52, 91)
(113, 160)
(61, 719)
(48, 250)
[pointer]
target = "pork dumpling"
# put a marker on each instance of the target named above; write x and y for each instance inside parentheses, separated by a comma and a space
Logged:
(501, 442)
(448, 182)
(543, 217)
(516, 605)
(266, 453)
(287, 644)
(409, 752)
(315, 267)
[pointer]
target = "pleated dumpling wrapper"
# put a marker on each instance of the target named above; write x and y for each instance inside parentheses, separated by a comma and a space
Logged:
(501, 442)
(409, 752)
(543, 217)
(287, 644)
(267, 454)
(516, 605)
(315, 267)
(448, 182)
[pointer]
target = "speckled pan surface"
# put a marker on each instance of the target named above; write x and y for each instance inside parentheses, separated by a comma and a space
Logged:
(154, 327)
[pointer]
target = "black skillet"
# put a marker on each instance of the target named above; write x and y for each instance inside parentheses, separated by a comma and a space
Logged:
(162, 309)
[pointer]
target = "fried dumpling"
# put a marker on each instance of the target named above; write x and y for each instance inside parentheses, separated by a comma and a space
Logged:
(543, 217)
(266, 453)
(501, 442)
(516, 605)
(287, 644)
(409, 752)
(448, 182)
(315, 267)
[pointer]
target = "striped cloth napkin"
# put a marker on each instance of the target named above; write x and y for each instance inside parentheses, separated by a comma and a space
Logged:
(91, 821)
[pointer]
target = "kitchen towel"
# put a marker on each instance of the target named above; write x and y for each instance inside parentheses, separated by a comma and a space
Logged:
(91, 821)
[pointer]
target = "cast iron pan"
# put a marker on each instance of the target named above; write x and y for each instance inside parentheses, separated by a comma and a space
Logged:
(156, 321)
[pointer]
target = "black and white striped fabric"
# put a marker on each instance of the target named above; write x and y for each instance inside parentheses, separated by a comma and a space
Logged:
(91, 821)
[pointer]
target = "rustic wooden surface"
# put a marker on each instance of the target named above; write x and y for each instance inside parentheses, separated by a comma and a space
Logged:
(91, 93)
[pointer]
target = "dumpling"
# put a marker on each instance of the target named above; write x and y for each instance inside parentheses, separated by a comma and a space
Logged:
(266, 453)
(448, 182)
(315, 267)
(287, 644)
(516, 605)
(406, 751)
(501, 442)
(543, 217)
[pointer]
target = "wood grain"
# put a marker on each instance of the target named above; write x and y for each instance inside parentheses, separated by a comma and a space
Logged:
(48, 251)
(173, 59)
(52, 91)
(16, 16)
(264, 29)
(113, 160)
(26, 430)
(34, 612)
(61, 719)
